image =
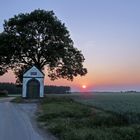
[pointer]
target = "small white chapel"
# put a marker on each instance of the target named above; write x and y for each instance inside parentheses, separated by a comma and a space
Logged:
(33, 83)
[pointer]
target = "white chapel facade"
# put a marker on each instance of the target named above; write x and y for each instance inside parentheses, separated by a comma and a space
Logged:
(33, 83)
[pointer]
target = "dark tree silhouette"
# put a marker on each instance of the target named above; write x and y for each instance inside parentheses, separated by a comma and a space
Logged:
(5, 53)
(39, 38)
(12, 88)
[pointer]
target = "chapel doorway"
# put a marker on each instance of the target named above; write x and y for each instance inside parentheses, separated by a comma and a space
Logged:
(33, 88)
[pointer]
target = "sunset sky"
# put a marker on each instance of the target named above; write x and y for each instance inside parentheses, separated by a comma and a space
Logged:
(106, 31)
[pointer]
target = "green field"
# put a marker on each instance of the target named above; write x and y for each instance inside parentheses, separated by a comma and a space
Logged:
(125, 104)
(96, 116)
(117, 102)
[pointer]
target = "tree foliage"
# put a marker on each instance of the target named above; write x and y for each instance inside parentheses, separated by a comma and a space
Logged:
(39, 38)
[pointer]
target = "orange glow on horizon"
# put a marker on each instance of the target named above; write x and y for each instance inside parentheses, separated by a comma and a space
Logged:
(92, 81)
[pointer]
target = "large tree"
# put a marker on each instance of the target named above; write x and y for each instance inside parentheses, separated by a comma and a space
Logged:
(39, 38)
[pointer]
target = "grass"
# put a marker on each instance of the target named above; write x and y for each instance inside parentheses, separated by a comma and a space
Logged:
(68, 119)
(120, 103)
(127, 105)
(20, 99)
(3, 95)
(17, 100)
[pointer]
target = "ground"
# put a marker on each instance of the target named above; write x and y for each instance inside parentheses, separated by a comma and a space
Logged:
(17, 122)
(112, 116)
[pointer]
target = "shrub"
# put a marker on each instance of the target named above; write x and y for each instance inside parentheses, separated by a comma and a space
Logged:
(3, 93)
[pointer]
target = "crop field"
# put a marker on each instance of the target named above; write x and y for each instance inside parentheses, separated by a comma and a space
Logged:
(92, 116)
(116, 102)
(126, 104)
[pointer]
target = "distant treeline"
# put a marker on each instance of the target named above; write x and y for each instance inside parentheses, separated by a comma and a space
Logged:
(11, 88)
(14, 89)
(56, 89)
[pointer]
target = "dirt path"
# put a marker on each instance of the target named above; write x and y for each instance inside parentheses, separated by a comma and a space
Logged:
(17, 122)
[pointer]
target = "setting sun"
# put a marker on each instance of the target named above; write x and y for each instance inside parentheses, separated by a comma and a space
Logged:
(84, 86)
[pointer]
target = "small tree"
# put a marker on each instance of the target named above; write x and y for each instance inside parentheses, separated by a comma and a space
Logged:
(39, 38)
